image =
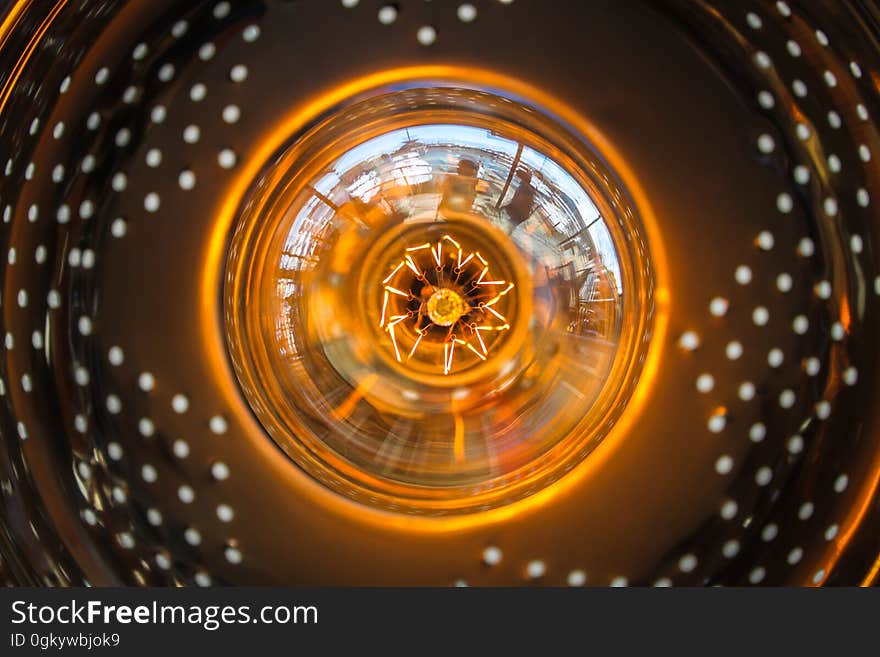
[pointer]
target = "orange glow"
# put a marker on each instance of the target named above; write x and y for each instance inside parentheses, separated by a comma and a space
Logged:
(296, 121)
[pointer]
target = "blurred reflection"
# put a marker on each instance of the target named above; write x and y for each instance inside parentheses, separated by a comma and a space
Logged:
(445, 305)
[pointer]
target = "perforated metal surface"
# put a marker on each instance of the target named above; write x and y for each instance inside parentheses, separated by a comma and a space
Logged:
(744, 133)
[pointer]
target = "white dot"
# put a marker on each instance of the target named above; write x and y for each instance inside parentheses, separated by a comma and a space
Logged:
(765, 240)
(850, 376)
(787, 398)
(536, 569)
(93, 121)
(89, 516)
(80, 423)
(823, 409)
(766, 100)
(233, 555)
(221, 10)
(730, 549)
(795, 556)
(687, 563)
(198, 92)
(743, 275)
(746, 391)
(152, 202)
(114, 451)
(805, 512)
(783, 8)
(856, 244)
(206, 51)
(146, 381)
(864, 153)
(766, 143)
(855, 69)
(716, 423)
(729, 510)
(426, 35)
(760, 316)
(146, 427)
(118, 227)
(348, 4)
(387, 14)
(140, 51)
(619, 582)
(724, 465)
(192, 536)
(58, 173)
(153, 157)
(663, 582)
(762, 59)
(770, 532)
(149, 474)
(576, 578)
(226, 158)
(822, 38)
(862, 111)
(831, 532)
(115, 355)
(763, 476)
(84, 325)
(466, 12)
(784, 282)
(733, 350)
(180, 448)
(163, 560)
(689, 341)
(251, 33)
(823, 289)
(126, 540)
(841, 483)
(114, 404)
(799, 88)
(800, 325)
(186, 179)
(179, 403)
(757, 432)
(154, 517)
(805, 247)
(231, 113)
(834, 163)
(705, 383)
(88, 163)
(220, 471)
(186, 494)
(795, 444)
(238, 73)
(102, 75)
(217, 424)
(754, 20)
(834, 119)
(191, 134)
(225, 513)
(784, 203)
(829, 205)
(202, 578)
(492, 556)
(179, 29)
(801, 174)
(756, 576)
(718, 306)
